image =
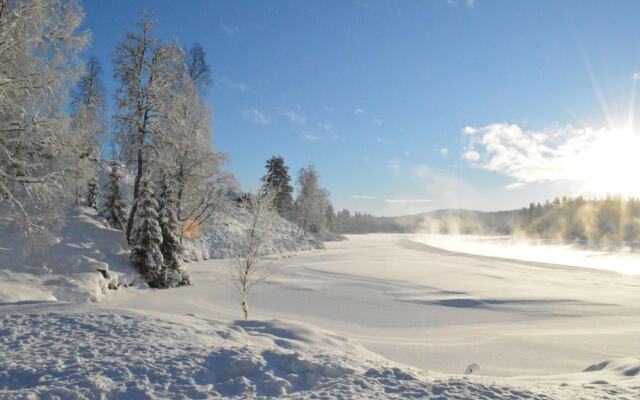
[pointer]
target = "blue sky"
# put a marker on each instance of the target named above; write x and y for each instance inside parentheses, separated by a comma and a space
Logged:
(410, 106)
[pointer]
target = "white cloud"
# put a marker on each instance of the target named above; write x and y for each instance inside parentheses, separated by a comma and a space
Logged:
(294, 117)
(362, 197)
(257, 117)
(471, 156)
(229, 29)
(358, 111)
(636, 76)
(444, 151)
(602, 160)
(378, 121)
(468, 130)
(406, 201)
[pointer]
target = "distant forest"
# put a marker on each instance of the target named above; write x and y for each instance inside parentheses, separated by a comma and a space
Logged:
(613, 219)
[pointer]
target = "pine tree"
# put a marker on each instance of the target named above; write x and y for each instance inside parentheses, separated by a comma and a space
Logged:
(92, 193)
(113, 209)
(146, 237)
(278, 179)
(173, 273)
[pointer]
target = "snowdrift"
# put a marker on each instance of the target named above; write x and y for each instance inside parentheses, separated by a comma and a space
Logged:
(52, 350)
(69, 270)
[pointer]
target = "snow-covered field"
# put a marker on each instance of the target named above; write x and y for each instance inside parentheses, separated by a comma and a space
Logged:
(537, 331)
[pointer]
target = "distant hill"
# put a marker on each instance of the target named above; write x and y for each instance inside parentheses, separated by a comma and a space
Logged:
(451, 221)
(612, 220)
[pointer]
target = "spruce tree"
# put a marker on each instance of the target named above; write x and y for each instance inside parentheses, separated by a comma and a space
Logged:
(113, 209)
(173, 273)
(146, 237)
(92, 193)
(278, 179)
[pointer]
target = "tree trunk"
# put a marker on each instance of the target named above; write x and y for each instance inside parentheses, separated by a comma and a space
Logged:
(245, 307)
(136, 190)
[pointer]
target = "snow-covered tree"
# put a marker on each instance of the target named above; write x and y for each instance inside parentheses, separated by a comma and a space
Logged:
(87, 110)
(92, 193)
(277, 177)
(39, 46)
(146, 70)
(311, 202)
(185, 145)
(146, 237)
(113, 209)
(247, 266)
(173, 274)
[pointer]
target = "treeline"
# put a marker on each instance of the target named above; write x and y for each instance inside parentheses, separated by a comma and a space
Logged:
(160, 131)
(610, 220)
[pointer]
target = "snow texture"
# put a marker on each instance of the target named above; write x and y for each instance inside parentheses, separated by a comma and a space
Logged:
(53, 350)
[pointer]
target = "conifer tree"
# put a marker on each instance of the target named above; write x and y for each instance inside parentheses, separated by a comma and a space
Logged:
(146, 237)
(113, 209)
(173, 273)
(92, 193)
(278, 179)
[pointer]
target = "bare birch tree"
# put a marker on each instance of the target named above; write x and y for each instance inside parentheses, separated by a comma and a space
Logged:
(248, 266)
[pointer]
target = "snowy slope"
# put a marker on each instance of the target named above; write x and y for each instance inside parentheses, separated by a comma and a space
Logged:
(68, 270)
(224, 228)
(220, 231)
(53, 350)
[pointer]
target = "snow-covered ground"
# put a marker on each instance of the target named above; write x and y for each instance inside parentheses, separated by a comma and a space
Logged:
(624, 260)
(537, 331)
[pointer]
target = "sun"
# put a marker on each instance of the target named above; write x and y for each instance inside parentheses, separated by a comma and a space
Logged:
(611, 164)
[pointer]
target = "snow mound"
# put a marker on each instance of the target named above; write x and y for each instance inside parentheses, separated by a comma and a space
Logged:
(625, 367)
(53, 350)
(87, 259)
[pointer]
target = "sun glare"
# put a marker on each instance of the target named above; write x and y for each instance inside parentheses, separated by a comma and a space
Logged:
(610, 165)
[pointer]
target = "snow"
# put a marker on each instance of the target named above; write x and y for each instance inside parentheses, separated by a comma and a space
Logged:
(370, 317)
(623, 260)
(56, 349)
(68, 271)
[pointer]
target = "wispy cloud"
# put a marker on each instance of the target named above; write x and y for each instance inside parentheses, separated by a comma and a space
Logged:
(241, 86)
(514, 185)
(229, 29)
(468, 3)
(362, 197)
(256, 117)
(358, 111)
(310, 136)
(293, 116)
(636, 76)
(394, 165)
(378, 121)
(406, 201)
(444, 151)
(420, 170)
